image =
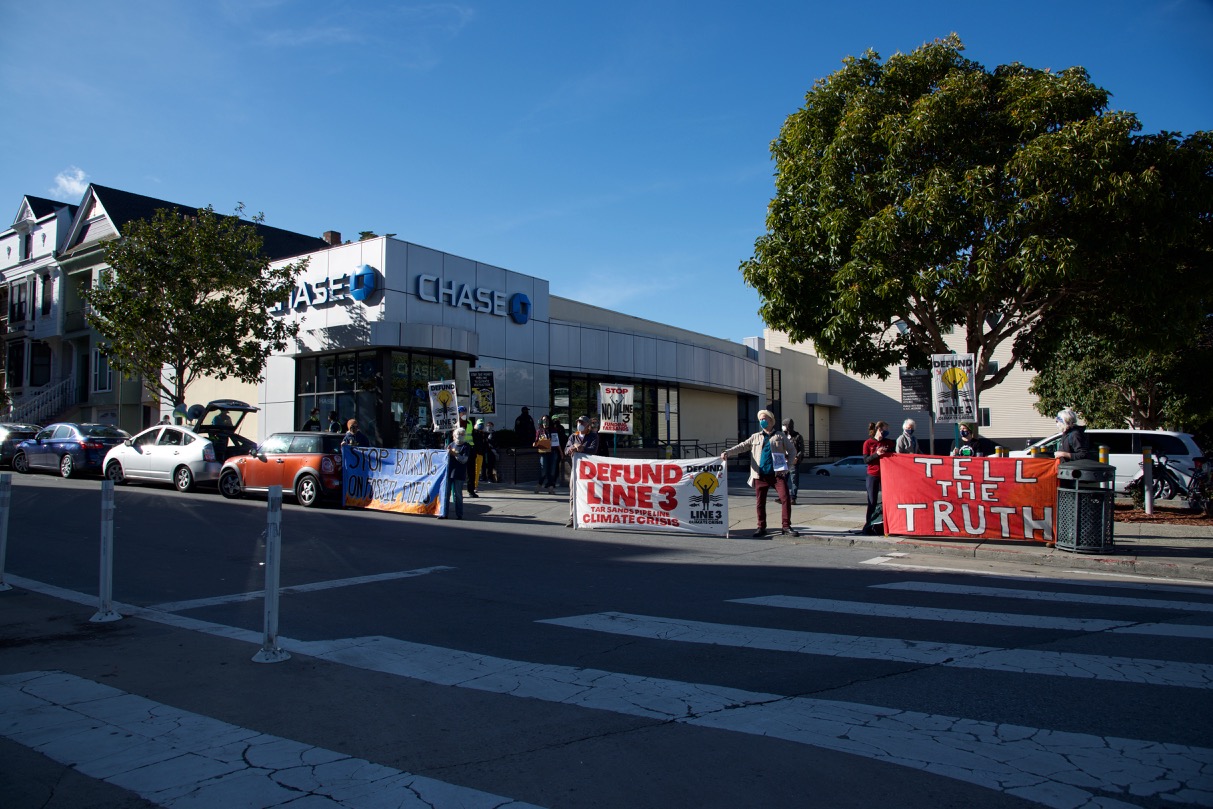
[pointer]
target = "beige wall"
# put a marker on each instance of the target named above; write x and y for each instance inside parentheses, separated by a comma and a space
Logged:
(208, 389)
(707, 416)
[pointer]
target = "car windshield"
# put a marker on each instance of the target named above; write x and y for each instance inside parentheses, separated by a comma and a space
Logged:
(102, 431)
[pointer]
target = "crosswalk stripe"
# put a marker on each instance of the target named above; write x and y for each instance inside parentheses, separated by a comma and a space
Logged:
(173, 757)
(975, 617)
(1037, 595)
(1048, 767)
(956, 655)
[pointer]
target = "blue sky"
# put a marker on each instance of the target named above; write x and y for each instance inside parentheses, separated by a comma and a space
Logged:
(619, 150)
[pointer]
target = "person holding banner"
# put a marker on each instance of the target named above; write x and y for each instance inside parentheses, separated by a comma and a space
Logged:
(875, 448)
(581, 442)
(457, 455)
(770, 453)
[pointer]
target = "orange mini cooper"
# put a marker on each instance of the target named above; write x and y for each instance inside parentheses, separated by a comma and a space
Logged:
(306, 465)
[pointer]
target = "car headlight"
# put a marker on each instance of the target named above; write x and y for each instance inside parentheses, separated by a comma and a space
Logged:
(3, 434)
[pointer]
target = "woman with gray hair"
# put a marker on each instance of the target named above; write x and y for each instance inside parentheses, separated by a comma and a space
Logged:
(1073, 446)
(770, 454)
(906, 442)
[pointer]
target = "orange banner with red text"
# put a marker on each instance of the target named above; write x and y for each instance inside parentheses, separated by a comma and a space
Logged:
(970, 498)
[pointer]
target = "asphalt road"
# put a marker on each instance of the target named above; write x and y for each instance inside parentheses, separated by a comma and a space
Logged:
(508, 661)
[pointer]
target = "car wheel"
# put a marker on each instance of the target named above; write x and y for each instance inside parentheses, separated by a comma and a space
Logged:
(183, 479)
(823, 473)
(229, 485)
(307, 491)
(21, 463)
(67, 466)
(114, 472)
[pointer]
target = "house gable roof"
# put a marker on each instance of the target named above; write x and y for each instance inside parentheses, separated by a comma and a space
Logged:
(123, 207)
(39, 208)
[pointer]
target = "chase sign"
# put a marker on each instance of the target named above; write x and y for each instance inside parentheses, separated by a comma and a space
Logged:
(478, 299)
(359, 285)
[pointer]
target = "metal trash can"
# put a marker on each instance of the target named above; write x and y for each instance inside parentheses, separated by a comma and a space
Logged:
(1085, 499)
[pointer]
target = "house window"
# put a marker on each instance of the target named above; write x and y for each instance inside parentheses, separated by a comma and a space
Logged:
(983, 417)
(16, 306)
(39, 364)
(48, 294)
(775, 391)
(102, 378)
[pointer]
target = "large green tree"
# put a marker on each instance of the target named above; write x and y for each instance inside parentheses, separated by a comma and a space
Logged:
(926, 193)
(189, 294)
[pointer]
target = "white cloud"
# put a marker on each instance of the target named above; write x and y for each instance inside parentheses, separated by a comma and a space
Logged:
(70, 184)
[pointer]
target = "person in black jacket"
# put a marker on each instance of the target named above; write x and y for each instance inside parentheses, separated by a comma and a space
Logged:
(1073, 446)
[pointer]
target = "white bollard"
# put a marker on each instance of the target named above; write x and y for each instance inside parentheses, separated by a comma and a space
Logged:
(1147, 477)
(6, 498)
(270, 652)
(106, 612)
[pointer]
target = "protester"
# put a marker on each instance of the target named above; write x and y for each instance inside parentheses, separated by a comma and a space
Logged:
(1074, 445)
(482, 448)
(582, 442)
(906, 442)
(971, 444)
(524, 425)
(334, 422)
(558, 444)
(875, 448)
(353, 436)
(457, 457)
(165, 419)
(469, 436)
(797, 442)
(312, 425)
(548, 459)
(490, 454)
(770, 452)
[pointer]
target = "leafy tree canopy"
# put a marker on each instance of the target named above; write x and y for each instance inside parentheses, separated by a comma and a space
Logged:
(926, 193)
(190, 295)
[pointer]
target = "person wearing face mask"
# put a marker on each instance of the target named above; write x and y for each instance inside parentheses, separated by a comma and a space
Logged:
(875, 448)
(457, 456)
(581, 442)
(971, 444)
(906, 442)
(770, 454)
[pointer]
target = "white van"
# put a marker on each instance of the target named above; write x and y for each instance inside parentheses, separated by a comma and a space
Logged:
(1124, 450)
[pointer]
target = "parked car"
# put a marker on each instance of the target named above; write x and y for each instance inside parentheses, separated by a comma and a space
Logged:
(12, 434)
(306, 465)
(852, 466)
(70, 447)
(1124, 450)
(171, 454)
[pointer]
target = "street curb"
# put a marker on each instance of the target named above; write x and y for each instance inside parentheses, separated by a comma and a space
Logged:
(1126, 563)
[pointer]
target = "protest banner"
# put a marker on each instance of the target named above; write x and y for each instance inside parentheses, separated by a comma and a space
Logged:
(970, 498)
(483, 399)
(407, 481)
(954, 387)
(615, 408)
(688, 496)
(444, 402)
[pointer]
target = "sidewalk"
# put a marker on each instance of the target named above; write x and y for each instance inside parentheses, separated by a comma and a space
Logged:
(1145, 549)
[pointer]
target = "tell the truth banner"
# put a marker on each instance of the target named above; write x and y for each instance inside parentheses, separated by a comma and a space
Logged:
(679, 496)
(407, 481)
(969, 498)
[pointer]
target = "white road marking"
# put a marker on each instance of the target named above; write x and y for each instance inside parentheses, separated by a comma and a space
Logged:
(974, 617)
(1053, 768)
(173, 757)
(181, 606)
(930, 653)
(1035, 595)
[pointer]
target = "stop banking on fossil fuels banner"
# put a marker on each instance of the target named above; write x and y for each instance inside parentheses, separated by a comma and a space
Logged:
(688, 496)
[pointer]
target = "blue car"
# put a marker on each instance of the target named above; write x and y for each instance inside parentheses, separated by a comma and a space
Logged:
(68, 447)
(12, 434)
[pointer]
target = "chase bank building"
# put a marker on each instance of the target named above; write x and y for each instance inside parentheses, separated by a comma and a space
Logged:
(379, 319)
